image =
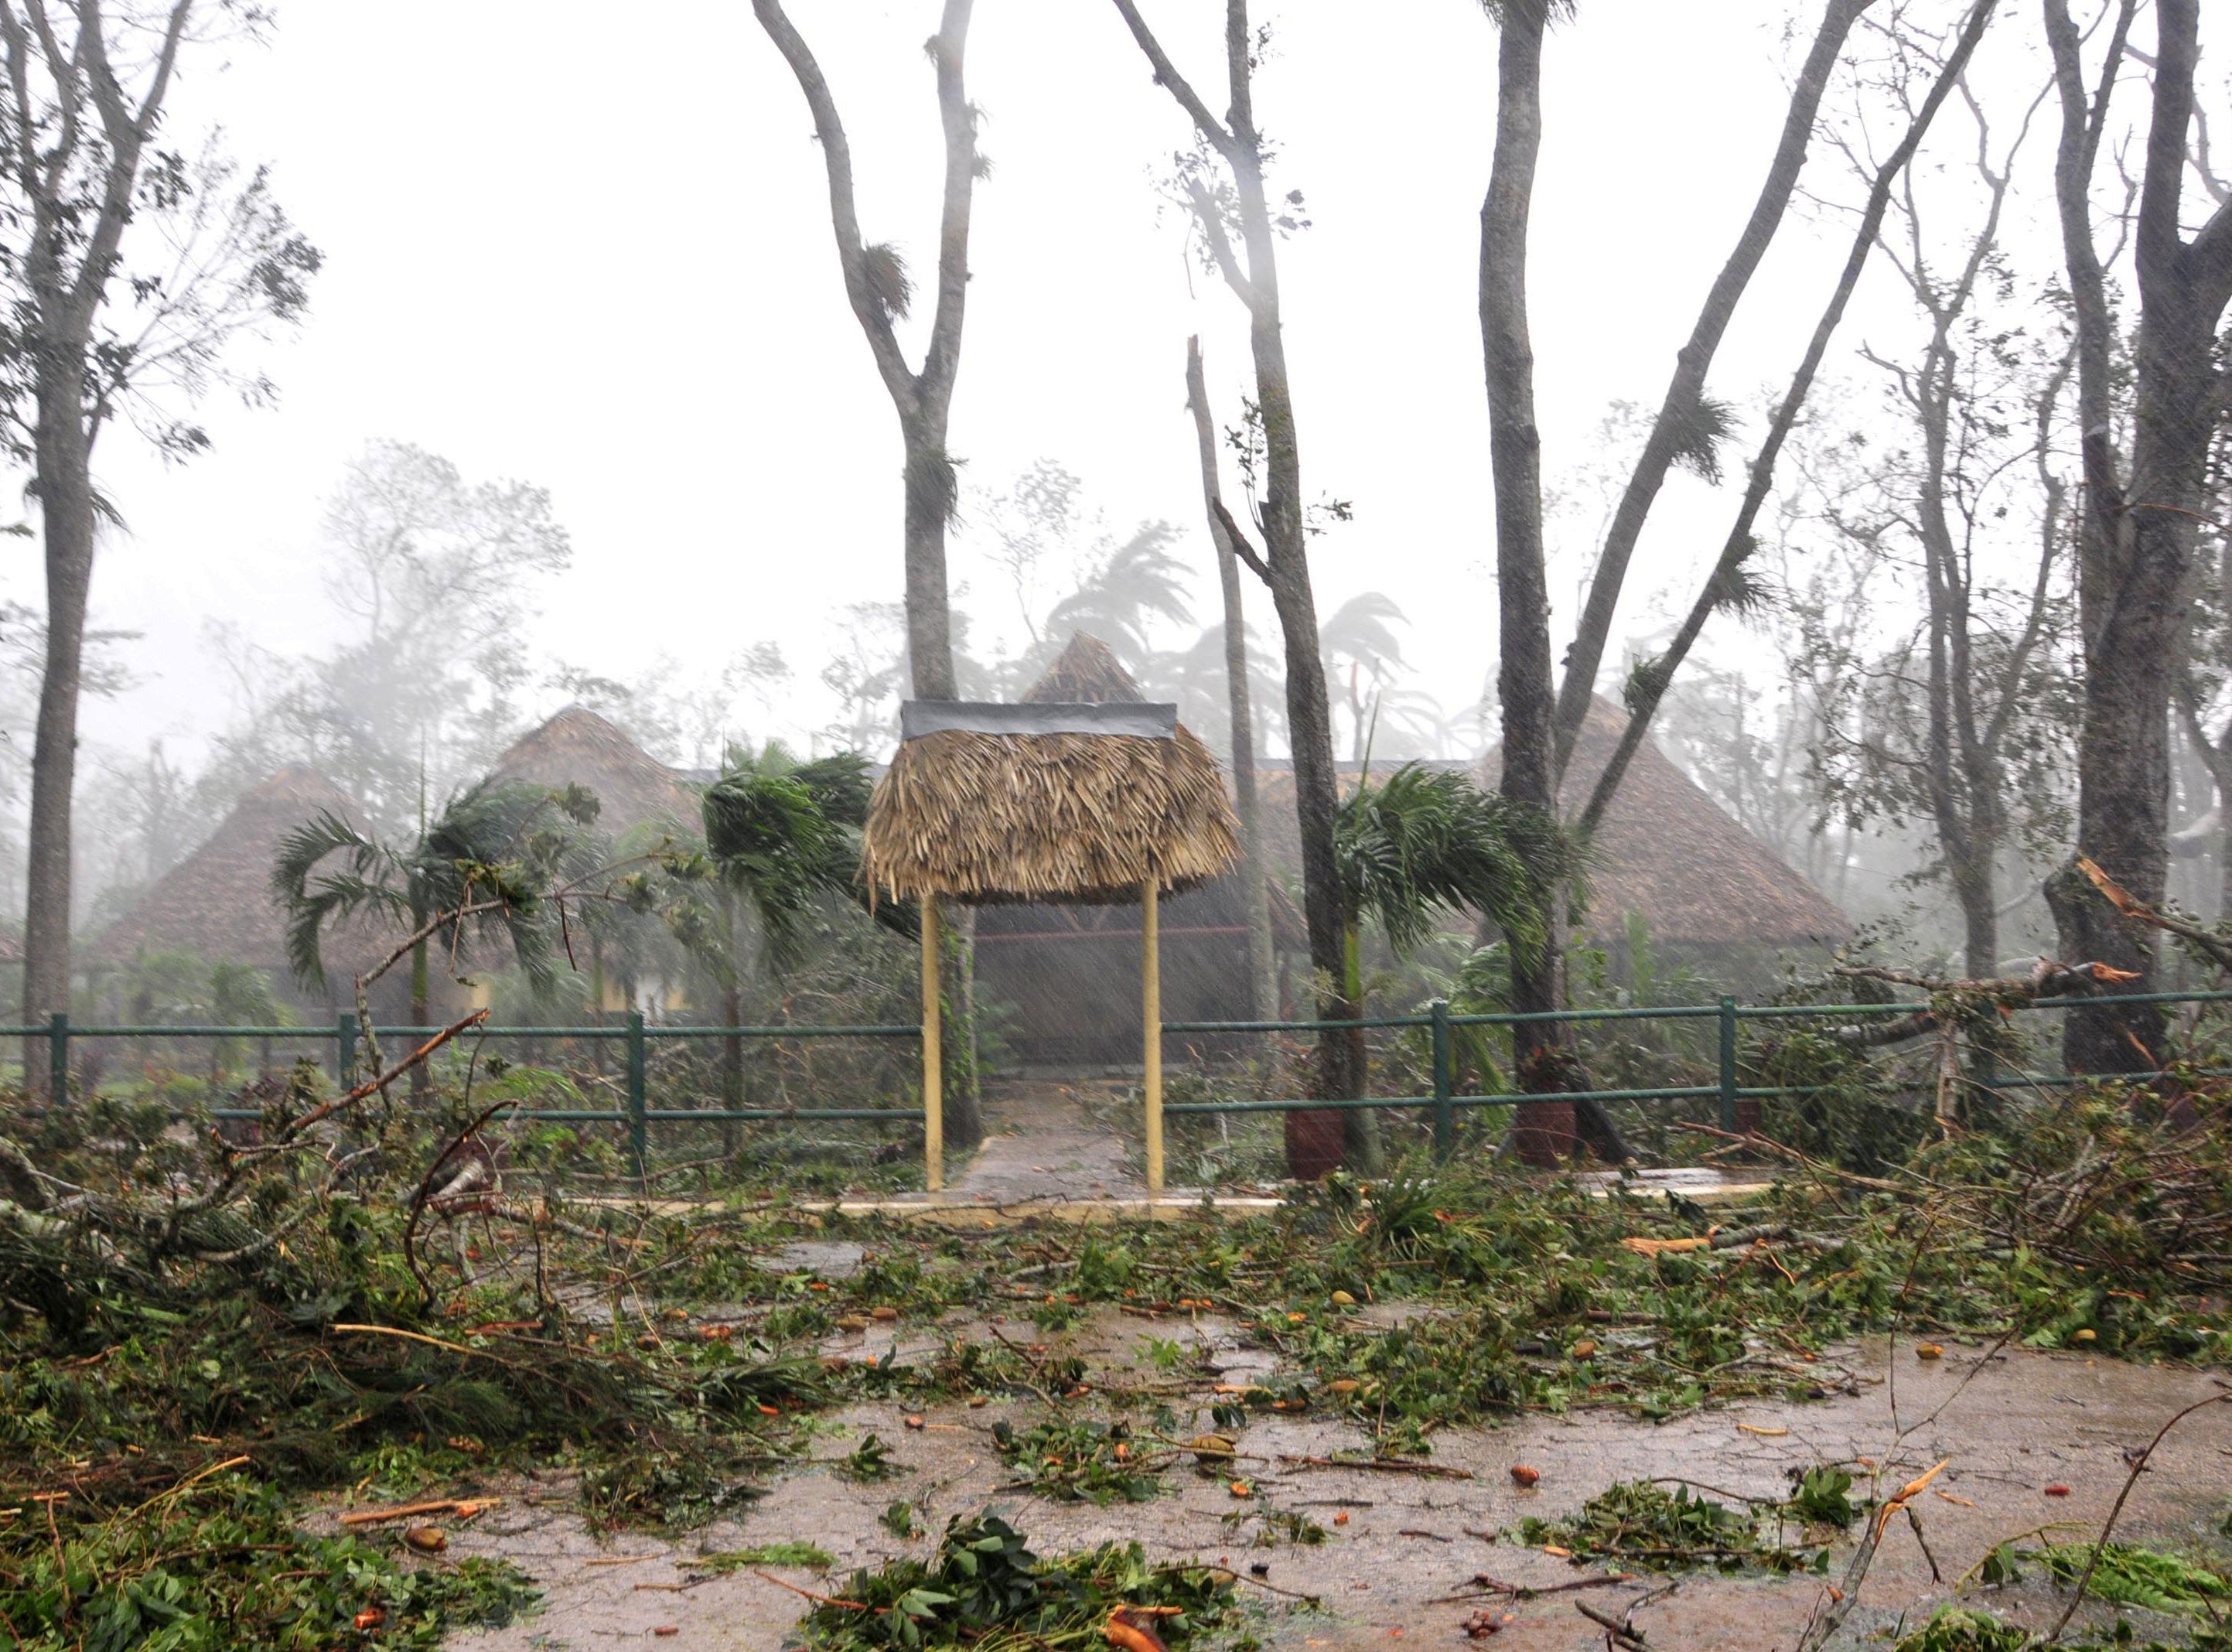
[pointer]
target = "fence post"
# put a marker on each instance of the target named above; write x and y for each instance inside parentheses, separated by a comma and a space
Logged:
(58, 1037)
(345, 1036)
(638, 1129)
(1728, 1064)
(1445, 1113)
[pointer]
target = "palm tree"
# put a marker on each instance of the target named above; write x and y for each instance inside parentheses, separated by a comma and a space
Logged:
(1361, 649)
(1141, 582)
(784, 838)
(1426, 842)
(495, 868)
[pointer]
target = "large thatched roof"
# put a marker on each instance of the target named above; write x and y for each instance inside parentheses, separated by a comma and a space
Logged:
(1668, 851)
(1052, 800)
(218, 903)
(579, 748)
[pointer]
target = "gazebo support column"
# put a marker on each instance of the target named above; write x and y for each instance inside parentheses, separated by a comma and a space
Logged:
(933, 1055)
(1151, 977)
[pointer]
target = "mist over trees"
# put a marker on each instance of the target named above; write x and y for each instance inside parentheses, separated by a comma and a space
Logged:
(1931, 608)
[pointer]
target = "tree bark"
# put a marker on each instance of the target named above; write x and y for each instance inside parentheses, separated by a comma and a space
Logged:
(923, 400)
(2137, 548)
(64, 452)
(1251, 271)
(1262, 965)
(1685, 393)
(1651, 682)
(1546, 1060)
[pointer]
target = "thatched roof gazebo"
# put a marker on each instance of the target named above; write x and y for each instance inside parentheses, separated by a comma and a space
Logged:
(1050, 801)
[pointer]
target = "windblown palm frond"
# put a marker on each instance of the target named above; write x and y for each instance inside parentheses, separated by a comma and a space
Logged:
(328, 871)
(1428, 841)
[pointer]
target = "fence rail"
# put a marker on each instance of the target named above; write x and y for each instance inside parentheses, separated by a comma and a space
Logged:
(1439, 1022)
(345, 1035)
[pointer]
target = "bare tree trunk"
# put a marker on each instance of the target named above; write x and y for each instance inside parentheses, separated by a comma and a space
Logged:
(922, 401)
(1283, 564)
(1262, 966)
(64, 452)
(1545, 1060)
(1726, 580)
(1678, 428)
(2135, 549)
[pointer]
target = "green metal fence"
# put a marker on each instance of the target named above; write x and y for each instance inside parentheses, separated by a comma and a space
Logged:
(1728, 1089)
(1444, 1103)
(633, 1034)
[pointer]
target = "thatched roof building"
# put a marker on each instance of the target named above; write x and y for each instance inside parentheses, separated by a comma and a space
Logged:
(1667, 851)
(217, 903)
(579, 748)
(1047, 801)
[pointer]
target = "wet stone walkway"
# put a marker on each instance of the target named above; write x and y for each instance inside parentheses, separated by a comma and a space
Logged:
(1041, 1143)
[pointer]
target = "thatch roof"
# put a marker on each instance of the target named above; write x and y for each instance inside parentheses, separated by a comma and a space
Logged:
(579, 748)
(1086, 673)
(218, 903)
(1668, 851)
(1006, 804)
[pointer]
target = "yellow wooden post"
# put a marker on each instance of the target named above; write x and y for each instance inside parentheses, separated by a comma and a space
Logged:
(933, 1108)
(1151, 971)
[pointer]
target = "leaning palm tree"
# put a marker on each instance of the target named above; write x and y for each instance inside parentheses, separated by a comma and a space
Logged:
(783, 836)
(1427, 843)
(491, 872)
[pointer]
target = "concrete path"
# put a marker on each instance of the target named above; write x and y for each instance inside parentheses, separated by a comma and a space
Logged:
(1041, 1143)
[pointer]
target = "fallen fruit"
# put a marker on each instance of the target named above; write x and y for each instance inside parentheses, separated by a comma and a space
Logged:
(1240, 1488)
(1562, 1554)
(978, 1401)
(1927, 1350)
(885, 1314)
(1210, 1446)
(663, 1631)
(1341, 1519)
(1342, 1300)
(2057, 1490)
(717, 1333)
(1343, 1385)
(427, 1540)
(852, 1322)
(1584, 1349)
(1524, 1475)
(913, 1422)
(2084, 1336)
(371, 1618)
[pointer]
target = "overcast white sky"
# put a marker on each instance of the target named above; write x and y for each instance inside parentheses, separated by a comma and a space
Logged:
(587, 246)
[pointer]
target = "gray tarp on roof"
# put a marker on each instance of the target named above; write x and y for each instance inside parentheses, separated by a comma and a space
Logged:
(1148, 720)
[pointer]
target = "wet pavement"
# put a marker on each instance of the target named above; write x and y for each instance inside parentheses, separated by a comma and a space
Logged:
(1405, 1563)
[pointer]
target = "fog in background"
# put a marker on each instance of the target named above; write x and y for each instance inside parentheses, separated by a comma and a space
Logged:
(588, 249)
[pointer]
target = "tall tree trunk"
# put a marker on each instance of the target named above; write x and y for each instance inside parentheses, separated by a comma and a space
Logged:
(64, 447)
(1262, 965)
(922, 400)
(2135, 549)
(1676, 430)
(1252, 272)
(422, 1013)
(1545, 1059)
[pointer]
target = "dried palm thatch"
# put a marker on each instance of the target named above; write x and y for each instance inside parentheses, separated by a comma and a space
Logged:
(579, 748)
(1065, 813)
(217, 903)
(1087, 672)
